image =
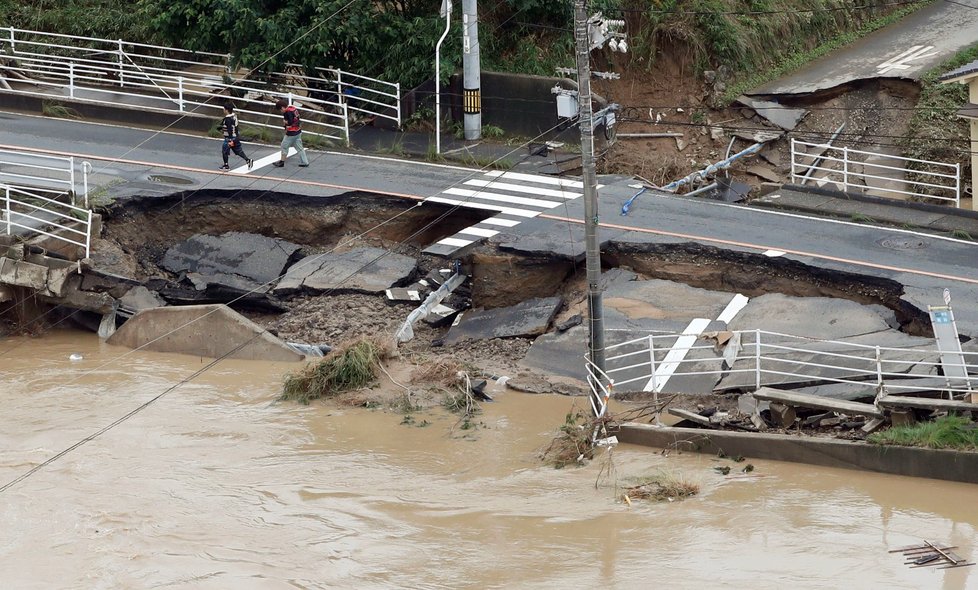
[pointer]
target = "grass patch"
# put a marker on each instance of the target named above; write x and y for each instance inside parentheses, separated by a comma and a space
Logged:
(961, 235)
(52, 108)
(660, 487)
(950, 432)
(348, 367)
(862, 218)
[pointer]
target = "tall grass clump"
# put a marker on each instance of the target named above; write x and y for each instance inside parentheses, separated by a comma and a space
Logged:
(348, 367)
(950, 432)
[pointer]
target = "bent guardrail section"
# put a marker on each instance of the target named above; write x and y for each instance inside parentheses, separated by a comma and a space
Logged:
(31, 213)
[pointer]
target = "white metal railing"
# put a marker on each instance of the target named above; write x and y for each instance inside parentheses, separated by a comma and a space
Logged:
(837, 165)
(767, 357)
(43, 214)
(118, 72)
(56, 173)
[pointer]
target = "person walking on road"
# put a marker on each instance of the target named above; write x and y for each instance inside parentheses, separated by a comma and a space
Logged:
(232, 141)
(293, 133)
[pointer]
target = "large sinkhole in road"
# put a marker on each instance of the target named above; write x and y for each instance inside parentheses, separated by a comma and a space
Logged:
(141, 230)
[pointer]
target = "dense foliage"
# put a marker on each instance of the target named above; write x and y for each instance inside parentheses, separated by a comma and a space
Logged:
(395, 39)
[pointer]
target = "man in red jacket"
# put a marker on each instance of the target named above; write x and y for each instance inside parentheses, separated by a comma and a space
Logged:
(293, 133)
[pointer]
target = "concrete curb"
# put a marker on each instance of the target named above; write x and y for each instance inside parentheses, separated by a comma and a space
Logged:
(908, 461)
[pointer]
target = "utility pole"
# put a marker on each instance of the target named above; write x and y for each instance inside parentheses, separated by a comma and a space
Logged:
(582, 43)
(471, 71)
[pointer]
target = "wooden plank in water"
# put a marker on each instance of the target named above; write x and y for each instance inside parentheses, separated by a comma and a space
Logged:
(692, 417)
(817, 402)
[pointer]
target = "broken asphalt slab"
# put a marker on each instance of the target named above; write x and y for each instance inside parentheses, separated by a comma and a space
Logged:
(527, 319)
(241, 261)
(784, 117)
(363, 270)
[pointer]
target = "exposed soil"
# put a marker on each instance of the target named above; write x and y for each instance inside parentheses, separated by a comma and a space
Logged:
(138, 234)
(875, 114)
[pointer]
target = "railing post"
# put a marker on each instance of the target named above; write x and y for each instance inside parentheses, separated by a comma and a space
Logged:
(290, 99)
(845, 169)
(346, 123)
(71, 79)
(757, 359)
(13, 41)
(793, 175)
(122, 72)
(180, 92)
(86, 168)
(6, 200)
(957, 185)
(71, 175)
(879, 369)
(88, 236)
(397, 100)
(655, 386)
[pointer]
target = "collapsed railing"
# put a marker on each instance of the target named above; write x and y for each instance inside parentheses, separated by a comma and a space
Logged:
(839, 167)
(39, 211)
(770, 358)
(150, 76)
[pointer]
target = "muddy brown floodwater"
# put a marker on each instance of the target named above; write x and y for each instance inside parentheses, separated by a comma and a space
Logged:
(217, 486)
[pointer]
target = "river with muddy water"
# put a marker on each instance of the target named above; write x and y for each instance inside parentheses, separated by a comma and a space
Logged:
(215, 485)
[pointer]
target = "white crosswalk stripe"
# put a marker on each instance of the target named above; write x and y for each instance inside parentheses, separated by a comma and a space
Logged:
(509, 193)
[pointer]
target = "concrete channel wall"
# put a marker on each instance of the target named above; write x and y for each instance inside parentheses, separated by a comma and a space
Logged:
(909, 461)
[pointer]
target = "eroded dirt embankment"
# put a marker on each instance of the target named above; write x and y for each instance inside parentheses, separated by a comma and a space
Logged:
(139, 233)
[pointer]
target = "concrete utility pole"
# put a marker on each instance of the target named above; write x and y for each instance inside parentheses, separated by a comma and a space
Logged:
(592, 252)
(471, 71)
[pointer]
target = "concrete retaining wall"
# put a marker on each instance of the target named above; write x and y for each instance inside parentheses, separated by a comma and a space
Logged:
(202, 330)
(90, 110)
(516, 103)
(909, 461)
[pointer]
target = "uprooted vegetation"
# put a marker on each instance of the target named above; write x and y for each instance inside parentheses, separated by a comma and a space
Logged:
(348, 367)
(660, 487)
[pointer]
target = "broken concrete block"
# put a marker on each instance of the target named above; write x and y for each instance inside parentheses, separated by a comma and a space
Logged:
(529, 318)
(873, 424)
(402, 295)
(902, 417)
(440, 315)
(783, 416)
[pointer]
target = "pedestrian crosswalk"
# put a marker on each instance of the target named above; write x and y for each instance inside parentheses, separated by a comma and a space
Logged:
(513, 196)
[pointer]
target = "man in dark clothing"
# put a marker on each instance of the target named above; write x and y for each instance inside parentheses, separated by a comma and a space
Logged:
(293, 133)
(229, 125)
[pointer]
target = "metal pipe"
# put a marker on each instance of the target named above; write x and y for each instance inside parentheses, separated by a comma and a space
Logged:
(711, 169)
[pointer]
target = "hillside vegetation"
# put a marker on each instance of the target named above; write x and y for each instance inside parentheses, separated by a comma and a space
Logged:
(395, 39)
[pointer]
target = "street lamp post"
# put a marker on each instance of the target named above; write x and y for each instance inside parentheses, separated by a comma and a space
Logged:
(446, 11)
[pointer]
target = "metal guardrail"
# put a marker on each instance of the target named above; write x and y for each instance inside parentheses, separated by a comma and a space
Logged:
(44, 214)
(56, 173)
(840, 167)
(118, 72)
(651, 360)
